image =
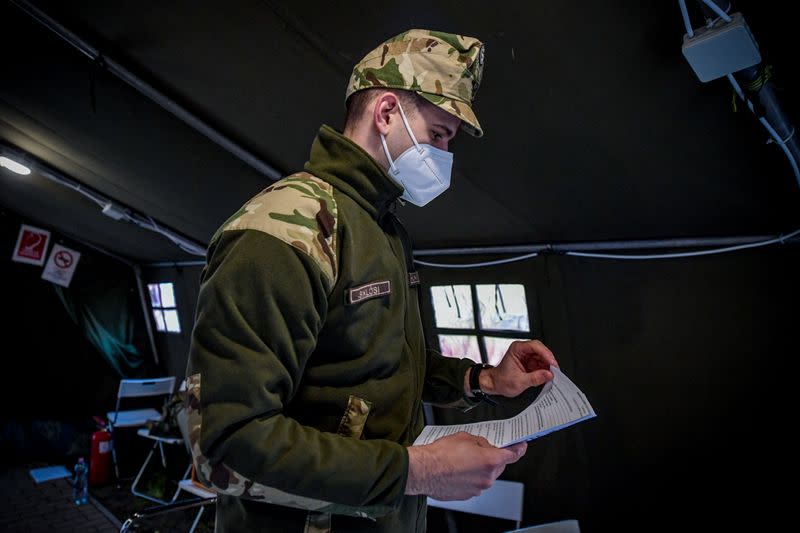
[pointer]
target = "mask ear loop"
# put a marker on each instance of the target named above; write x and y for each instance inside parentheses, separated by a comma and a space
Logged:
(408, 127)
(392, 168)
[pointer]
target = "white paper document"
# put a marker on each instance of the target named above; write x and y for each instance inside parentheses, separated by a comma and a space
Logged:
(558, 405)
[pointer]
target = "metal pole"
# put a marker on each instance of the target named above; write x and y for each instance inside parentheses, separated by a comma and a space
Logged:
(149, 91)
(100, 249)
(561, 248)
(163, 264)
(143, 299)
(596, 246)
(770, 107)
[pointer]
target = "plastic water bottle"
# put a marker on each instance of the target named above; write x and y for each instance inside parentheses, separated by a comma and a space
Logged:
(80, 483)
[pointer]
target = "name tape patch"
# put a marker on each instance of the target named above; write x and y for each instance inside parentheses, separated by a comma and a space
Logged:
(376, 289)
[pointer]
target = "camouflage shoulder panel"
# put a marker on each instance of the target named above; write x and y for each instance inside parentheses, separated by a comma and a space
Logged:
(299, 210)
(222, 479)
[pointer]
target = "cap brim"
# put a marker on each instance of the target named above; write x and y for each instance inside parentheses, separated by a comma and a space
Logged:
(457, 108)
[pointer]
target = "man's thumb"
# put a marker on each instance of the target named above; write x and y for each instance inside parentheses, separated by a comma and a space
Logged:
(539, 377)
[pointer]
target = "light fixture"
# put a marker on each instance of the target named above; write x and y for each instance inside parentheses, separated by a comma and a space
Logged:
(117, 211)
(13, 166)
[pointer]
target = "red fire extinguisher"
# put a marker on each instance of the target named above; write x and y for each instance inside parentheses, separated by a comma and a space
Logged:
(100, 458)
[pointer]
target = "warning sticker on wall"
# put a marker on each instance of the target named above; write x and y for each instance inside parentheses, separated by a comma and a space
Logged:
(31, 245)
(61, 265)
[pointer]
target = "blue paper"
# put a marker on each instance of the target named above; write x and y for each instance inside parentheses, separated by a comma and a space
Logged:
(49, 472)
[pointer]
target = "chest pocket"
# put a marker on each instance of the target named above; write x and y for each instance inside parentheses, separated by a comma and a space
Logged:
(354, 418)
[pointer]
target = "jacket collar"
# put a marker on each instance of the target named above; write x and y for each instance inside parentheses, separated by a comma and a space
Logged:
(348, 167)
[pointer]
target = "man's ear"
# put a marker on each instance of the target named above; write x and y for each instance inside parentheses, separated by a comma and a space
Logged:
(384, 112)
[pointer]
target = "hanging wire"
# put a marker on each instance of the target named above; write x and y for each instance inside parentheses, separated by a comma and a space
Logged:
(686, 21)
(781, 239)
(716, 9)
(476, 265)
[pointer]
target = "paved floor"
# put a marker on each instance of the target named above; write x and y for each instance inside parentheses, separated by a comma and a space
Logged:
(26, 506)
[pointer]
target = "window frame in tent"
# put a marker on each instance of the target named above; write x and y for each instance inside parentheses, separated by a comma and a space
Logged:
(159, 310)
(479, 331)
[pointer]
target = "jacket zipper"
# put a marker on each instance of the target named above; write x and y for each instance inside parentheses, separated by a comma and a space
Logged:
(408, 267)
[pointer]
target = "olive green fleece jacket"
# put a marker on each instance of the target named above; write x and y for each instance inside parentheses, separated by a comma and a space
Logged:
(308, 364)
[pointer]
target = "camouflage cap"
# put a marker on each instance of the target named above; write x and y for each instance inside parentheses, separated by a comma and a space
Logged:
(443, 68)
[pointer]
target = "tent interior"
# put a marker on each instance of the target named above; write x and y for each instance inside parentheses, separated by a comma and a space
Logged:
(146, 125)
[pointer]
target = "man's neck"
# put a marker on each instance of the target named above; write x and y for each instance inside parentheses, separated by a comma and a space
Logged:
(368, 142)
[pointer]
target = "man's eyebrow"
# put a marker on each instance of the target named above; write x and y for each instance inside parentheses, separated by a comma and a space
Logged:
(446, 129)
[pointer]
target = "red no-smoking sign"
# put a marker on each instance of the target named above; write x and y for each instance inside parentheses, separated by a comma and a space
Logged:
(61, 265)
(63, 259)
(31, 245)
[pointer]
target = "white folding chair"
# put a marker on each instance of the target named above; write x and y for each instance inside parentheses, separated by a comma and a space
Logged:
(158, 442)
(189, 486)
(136, 388)
(186, 484)
(502, 500)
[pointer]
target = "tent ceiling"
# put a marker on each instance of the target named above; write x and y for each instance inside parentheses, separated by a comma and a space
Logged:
(596, 127)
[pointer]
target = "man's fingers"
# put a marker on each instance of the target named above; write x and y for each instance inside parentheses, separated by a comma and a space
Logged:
(536, 349)
(519, 449)
(512, 454)
(480, 441)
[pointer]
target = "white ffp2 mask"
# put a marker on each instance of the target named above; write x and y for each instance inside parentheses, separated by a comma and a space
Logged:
(422, 170)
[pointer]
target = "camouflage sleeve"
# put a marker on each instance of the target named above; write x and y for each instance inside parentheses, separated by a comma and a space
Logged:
(261, 305)
(444, 381)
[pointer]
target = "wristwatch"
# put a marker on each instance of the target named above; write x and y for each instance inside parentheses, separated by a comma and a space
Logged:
(475, 384)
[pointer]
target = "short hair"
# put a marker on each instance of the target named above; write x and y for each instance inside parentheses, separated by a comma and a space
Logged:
(358, 101)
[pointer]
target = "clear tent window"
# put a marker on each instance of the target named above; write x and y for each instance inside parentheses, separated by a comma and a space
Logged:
(165, 312)
(480, 321)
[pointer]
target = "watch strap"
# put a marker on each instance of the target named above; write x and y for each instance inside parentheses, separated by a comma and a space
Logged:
(475, 384)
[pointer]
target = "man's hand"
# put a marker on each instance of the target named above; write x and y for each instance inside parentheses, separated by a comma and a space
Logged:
(457, 467)
(526, 364)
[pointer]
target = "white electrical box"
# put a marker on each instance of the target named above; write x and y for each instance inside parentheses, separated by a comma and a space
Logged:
(722, 49)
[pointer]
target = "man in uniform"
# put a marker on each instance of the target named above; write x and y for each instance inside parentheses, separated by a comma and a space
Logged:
(308, 364)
